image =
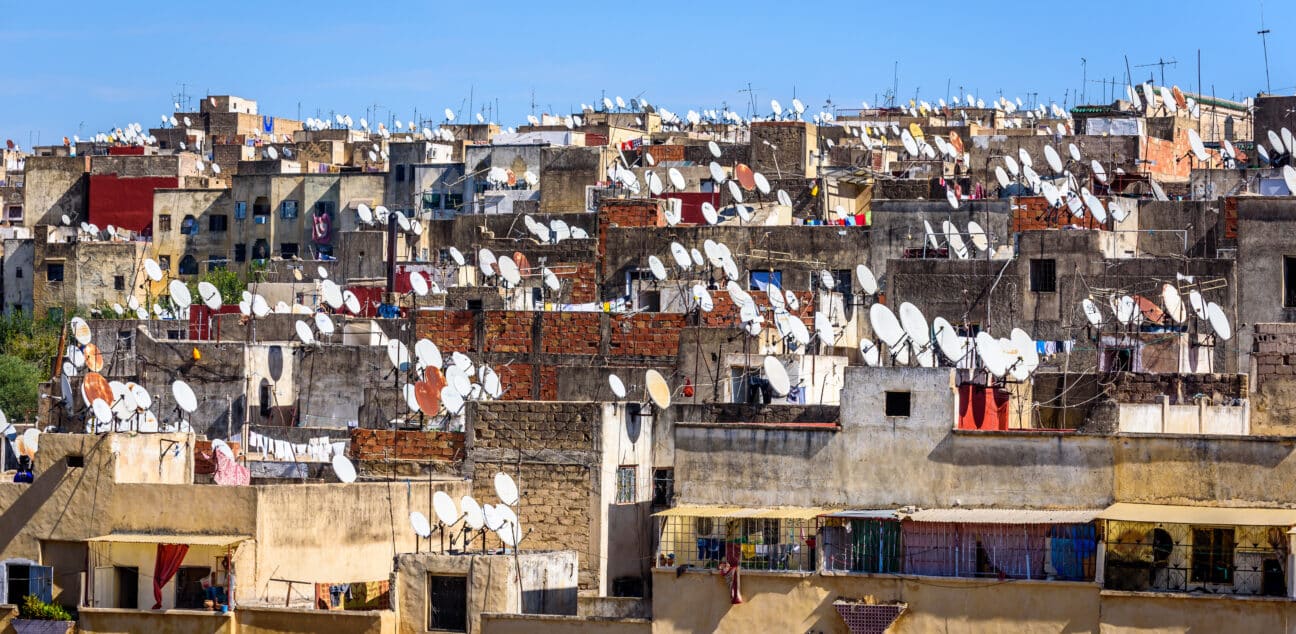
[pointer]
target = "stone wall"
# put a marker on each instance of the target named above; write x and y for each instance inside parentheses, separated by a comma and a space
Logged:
(383, 444)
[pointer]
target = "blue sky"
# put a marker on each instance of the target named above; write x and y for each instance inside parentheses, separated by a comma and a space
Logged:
(82, 69)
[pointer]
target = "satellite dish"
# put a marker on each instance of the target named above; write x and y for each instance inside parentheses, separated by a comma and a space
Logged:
(1219, 321)
(1099, 171)
(1091, 311)
(184, 397)
(506, 489)
(1157, 192)
(717, 173)
(81, 331)
(1198, 304)
(714, 148)
(418, 283)
(657, 268)
(427, 353)
(658, 390)
(444, 507)
(777, 376)
(457, 256)
(618, 388)
(676, 178)
(867, 281)
(1012, 166)
(1027, 359)
(1174, 306)
(1289, 176)
(343, 469)
(1001, 176)
(992, 356)
(735, 191)
(551, 280)
(1195, 142)
(419, 523)
(1126, 308)
(709, 213)
(143, 400)
(364, 214)
(180, 294)
(947, 339)
(508, 270)
(102, 412)
(1074, 150)
(978, 236)
(472, 512)
(398, 354)
(152, 270)
(209, 294)
(331, 292)
(1054, 161)
(887, 328)
(304, 333)
(681, 256)
(351, 302)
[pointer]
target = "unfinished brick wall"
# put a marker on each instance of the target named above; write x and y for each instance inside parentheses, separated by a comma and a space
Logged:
(1129, 387)
(725, 311)
(385, 444)
(646, 334)
(570, 333)
(1033, 212)
(627, 212)
(584, 283)
(1273, 352)
(558, 475)
(450, 330)
(508, 331)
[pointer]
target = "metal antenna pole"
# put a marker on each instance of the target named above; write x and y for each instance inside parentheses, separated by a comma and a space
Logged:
(1264, 41)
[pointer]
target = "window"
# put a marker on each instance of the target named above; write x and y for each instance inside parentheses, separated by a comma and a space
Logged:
(288, 210)
(164, 222)
(1212, 555)
(188, 587)
(447, 603)
(327, 207)
(1289, 281)
(188, 265)
(25, 579)
(287, 250)
(240, 252)
(217, 263)
(761, 280)
(1043, 276)
(261, 210)
(126, 594)
(119, 282)
(217, 222)
(164, 262)
(18, 273)
(74, 461)
(14, 213)
(260, 250)
(189, 226)
(625, 485)
(240, 210)
(400, 173)
(54, 272)
(663, 486)
(897, 403)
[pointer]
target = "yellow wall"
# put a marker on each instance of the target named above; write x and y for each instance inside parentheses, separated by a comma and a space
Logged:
(110, 621)
(528, 623)
(1150, 614)
(281, 621)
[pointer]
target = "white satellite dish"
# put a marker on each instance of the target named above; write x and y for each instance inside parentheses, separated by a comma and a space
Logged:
(184, 396)
(777, 376)
(323, 324)
(717, 173)
(992, 356)
(658, 269)
(1053, 159)
(1126, 309)
(1198, 304)
(915, 327)
(419, 523)
(304, 333)
(714, 148)
(418, 283)
(444, 508)
(1289, 176)
(867, 281)
(1195, 143)
(709, 213)
(456, 255)
(1091, 311)
(506, 489)
(887, 328)
(676, 178)
(1219, 321)
(948, 340)
(152, 270)
(978, 236)
(343, 469)
(180, 294)
(472, 512)
(681, 256)
(618, 387)
(1174, 306)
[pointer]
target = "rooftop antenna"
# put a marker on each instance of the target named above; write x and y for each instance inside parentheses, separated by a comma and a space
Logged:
(1162, 63)
(1264, 41)
(751, 100)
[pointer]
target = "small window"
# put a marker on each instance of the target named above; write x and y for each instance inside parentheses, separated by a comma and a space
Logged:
(18, 273)
(663, 486)
(626, 492)
(400, 173)
(75, 462)
(897, 403)
(761, 280)
(188, 265)
(119, 282)
(1289, 281)
(164, 222)
(240, 210)
(164, 262)
(217, 222)
(54, 272)
(288, 210)
(217, 263)
(447, 603)
(240, 252)
(189, 226)
(14, 214)
(288, 250)
(1043, 276)
(1212, 555)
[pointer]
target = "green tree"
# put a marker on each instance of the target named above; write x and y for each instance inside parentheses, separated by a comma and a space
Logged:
(226, 281)
(19, 388)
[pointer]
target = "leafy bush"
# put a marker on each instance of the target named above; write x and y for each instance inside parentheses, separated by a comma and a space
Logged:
(33, 608)
(19, 388)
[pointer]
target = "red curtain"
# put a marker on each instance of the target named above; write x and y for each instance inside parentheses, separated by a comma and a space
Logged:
(169, 558)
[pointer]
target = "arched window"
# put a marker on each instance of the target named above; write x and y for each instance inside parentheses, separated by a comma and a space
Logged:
(188, 265)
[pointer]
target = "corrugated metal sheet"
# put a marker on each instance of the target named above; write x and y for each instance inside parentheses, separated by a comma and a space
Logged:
(193, 539)
(1175, 514)
(1003, 516)
(865, 514)
(702, 510)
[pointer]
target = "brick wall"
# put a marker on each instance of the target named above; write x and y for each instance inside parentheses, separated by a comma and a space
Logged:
(450, 330)
(646, 334)
(1130, 387)
(724, 314)
(627, 212)
(1273, 352)
(584, 283)
(1033, 212)
(571, 333)
(384, 444)
(508, 331)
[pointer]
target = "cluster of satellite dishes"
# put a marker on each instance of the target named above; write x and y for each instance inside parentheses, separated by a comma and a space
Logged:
(1132, 311)
(910, 338)
(114, 405)
(950, 237)
(1062, 189)
(474, 519)
(655, 388)
(741, 181)
(24, 444)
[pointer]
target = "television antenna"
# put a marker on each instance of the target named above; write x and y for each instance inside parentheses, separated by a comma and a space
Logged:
(1264, 42)
(1161, 62)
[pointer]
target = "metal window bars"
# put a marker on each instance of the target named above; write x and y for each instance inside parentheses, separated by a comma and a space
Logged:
(756, 543)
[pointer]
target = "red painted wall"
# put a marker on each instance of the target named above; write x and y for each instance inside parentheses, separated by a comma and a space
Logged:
(126, 202)
(982, 408)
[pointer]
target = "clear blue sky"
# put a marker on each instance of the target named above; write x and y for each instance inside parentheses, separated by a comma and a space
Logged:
(83, 68)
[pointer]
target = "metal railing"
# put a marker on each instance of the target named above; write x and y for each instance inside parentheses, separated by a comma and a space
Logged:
(776, 544)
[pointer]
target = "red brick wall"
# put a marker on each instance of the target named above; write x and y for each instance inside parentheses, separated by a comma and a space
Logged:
(450, 330)
(384, 444)
(570, 333)
(665, 152)
(584, 283)
(725, 312)
(1032, 212)
(646, 334)
(508, 331)
(625, 212)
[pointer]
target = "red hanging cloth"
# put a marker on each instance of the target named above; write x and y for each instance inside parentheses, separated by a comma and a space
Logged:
(169, 558)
